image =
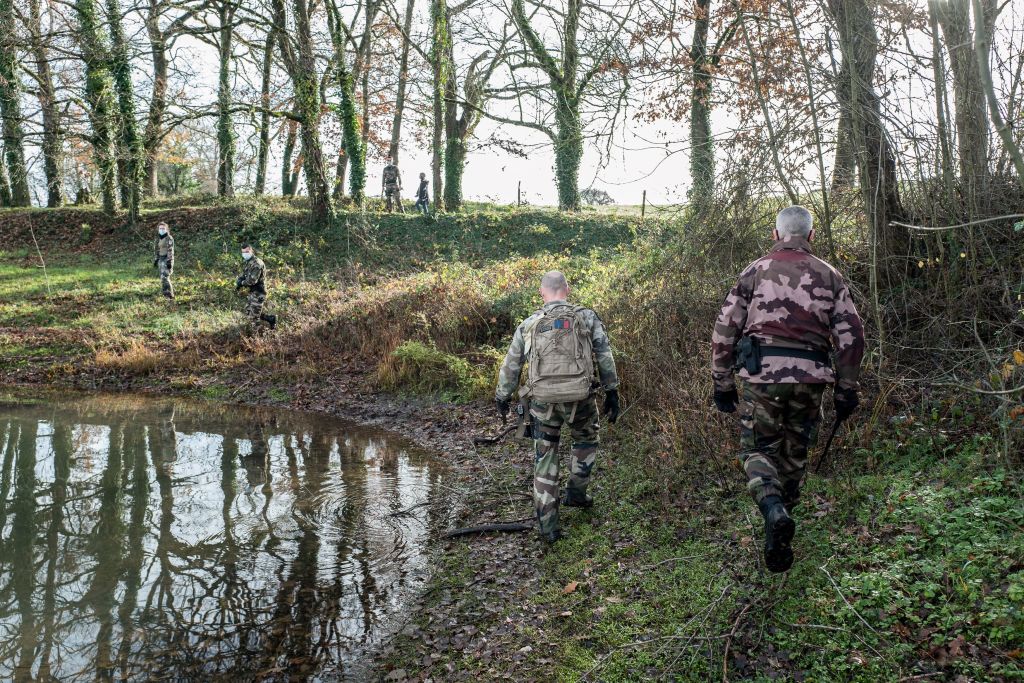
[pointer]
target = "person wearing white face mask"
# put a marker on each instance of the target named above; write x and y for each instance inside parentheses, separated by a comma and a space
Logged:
(254, 276)
(164, 259)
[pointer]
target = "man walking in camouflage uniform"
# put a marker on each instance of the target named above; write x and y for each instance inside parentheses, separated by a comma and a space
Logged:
(254, 277)
(392, 185)
(560, 342)
(776, 327)
(163, 259)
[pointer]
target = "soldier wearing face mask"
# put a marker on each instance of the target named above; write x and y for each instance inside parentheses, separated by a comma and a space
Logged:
(254, 277)
(163, 259)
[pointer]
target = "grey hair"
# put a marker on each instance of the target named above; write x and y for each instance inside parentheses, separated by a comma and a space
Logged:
(794, 221)
(554, 281)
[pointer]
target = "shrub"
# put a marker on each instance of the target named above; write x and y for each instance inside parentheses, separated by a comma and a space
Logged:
(428, 370)
(136, 359)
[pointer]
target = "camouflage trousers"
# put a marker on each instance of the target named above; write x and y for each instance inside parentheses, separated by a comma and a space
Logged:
(165, 279)
(778, 423)
(254, 307)
(391, 193)
(582, 418)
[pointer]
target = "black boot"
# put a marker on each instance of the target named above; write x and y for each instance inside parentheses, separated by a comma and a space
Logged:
(574, 499)
(270, 319)
(778, 534)
(551, 537)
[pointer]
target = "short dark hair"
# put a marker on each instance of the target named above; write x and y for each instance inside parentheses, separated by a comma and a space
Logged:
(247, 245)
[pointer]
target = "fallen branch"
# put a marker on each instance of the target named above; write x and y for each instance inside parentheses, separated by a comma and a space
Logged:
(485, 528)
(728, 641)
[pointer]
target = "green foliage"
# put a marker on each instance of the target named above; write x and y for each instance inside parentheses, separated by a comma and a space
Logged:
(426, 370)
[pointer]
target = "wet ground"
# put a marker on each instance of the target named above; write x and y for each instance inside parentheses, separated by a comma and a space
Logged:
(152, 539)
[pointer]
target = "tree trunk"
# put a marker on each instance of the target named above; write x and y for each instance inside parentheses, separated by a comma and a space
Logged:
(307, 101)
(10, 108)
(288, 179)
(264, 153)
(99, 95)
(5, 185)
(971, 118)
(702, 145)
(353, 152)
(945, 155)
(52, 144)
(568, 151)
(844, 166)
(403, 79)
(875, 159)
(225, 128)
(440, 37)
(983, 47)
(130, 143)
(157, 100)
(455, 139)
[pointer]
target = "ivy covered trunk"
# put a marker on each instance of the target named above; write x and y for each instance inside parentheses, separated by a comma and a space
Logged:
(702, 145)
(52, 144)
(130, 144)
(10, 108)
(307, 105)
(353, 152)
(568, 151)
(264, 150)
(99, 95)
(225, 127)
(455, 140)
(439, 50)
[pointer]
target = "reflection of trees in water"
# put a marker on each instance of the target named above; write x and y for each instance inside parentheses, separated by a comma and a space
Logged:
(120, 595)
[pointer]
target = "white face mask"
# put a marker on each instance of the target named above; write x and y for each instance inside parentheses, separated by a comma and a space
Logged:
(246, 255)
(162, 232)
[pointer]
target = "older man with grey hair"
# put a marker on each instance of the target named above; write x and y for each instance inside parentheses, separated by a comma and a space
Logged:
(787, 315)
(560, 343)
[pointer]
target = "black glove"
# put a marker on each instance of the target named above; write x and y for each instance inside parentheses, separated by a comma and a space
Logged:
(156, 261)
(170, 265)
(503, 406)
(611, 405)
(238, 283)
(726, 401)
(845, 401)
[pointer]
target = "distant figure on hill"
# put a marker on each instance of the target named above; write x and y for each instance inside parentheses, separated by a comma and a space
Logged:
(423, 195)
(777, 326)
(391, 181)
(254, 277)
(561, 344)
(163, 258)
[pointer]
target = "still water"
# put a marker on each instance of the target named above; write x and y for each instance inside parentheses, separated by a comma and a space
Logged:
(146, 539)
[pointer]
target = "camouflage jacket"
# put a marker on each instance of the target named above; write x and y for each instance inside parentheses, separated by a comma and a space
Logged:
(254, 275)
(519, 351)
(392, 178)
(165, 247)
(790, 298)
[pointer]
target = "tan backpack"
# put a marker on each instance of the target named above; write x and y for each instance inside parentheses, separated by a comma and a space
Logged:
(561, 361)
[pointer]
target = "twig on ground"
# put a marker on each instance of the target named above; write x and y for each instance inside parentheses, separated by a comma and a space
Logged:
(46, 277)
(728, 641)
(484, 528)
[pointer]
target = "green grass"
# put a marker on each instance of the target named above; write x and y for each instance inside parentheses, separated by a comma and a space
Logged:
(901, 572)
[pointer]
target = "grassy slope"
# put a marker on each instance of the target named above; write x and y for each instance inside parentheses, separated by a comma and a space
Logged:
(911, 551)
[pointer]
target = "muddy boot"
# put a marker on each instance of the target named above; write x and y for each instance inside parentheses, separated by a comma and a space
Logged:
(270, 320)
(778, 534)
(576, 499)
(551, 537)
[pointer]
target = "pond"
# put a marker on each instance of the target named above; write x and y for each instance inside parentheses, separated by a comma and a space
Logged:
(147, 539)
